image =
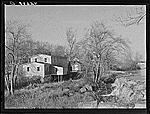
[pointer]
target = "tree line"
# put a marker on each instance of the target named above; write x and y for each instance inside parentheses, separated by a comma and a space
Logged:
(99, 51)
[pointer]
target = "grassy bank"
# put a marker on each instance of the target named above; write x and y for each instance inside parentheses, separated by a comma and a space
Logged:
(48, 95)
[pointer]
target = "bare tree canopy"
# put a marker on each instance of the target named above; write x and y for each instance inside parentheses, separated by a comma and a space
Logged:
(59, 50)
(16, 48)
(71, 39)
(132, 16)
(100, 48)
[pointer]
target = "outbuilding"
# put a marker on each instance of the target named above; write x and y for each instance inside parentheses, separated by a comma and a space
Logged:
(41, 69)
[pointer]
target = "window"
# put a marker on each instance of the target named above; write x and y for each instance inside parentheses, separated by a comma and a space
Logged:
(45, 59)
(59, 60)
(35, 59)
(28, 69)
(47, 68)
(38, 68)
(29, 60)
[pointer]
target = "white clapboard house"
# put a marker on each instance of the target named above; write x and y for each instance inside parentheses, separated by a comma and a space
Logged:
(42, 65)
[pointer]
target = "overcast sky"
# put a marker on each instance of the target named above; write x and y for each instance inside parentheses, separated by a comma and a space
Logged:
(49, 23)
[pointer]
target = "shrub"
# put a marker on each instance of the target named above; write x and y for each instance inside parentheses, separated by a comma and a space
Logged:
(23, 81)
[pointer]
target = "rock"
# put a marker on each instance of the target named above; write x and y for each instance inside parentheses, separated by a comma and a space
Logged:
(65, 90)
(88, 87)
(83, 89)
(139, 87)
(76, 85)
(128, 91)
(132, 82)
(70, 94)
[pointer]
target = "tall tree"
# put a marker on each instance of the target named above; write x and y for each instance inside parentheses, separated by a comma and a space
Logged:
(59, 50)
(101, 48)
(132, 16)
(16, 49)
(71, 39)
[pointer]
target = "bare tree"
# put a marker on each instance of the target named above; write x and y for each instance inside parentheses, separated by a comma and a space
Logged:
(84, 56)
(132, 16)
(41, 47)
(101, 48)
(131, 62)
(15, 48)
(71, 38)
(59, 50)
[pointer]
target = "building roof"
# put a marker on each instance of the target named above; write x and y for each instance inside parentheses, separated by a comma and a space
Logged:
(48, 55)
(43, 63)
(38, 55)
(74, 62)
(59, 56)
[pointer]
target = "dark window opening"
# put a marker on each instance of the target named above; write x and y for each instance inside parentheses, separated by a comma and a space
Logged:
(28, 69)
(35, 59)
(29, 60)
(38, 68)
(47, 68)
(45, 59)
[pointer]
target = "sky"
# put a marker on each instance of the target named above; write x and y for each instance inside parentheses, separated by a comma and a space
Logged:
(49, 23)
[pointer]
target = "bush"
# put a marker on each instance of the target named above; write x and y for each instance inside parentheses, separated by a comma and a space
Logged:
(23, 81)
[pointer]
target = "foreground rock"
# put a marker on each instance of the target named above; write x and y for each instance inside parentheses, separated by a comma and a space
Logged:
(128, 92)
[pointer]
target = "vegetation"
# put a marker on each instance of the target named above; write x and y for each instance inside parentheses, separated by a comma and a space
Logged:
(133, 16)
(71, 93)
(46, 96)
(99, 51)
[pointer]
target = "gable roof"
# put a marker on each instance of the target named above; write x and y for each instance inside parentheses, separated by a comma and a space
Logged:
(48, 55)
(76, 62)
(38, 55)
(43, 63)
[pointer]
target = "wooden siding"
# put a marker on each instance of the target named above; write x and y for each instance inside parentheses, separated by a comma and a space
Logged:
(60, 61)
(33, 69)
(49, 69)
(41, 58)
(59, 70)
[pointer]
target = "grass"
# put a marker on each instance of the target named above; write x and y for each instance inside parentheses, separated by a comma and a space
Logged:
(46, 95)
(50, 95)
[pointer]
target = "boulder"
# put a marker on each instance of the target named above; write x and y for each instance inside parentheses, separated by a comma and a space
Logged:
(65, 90)
(76, 85)
(71, 94)
(88, 87)
(128, 91)
(83, 89)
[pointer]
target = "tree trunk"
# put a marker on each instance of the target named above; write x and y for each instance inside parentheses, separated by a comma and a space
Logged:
(86, 71)
(94, 75)
(7, 83)
(11, 80)
(15, 73)
(97, 72)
